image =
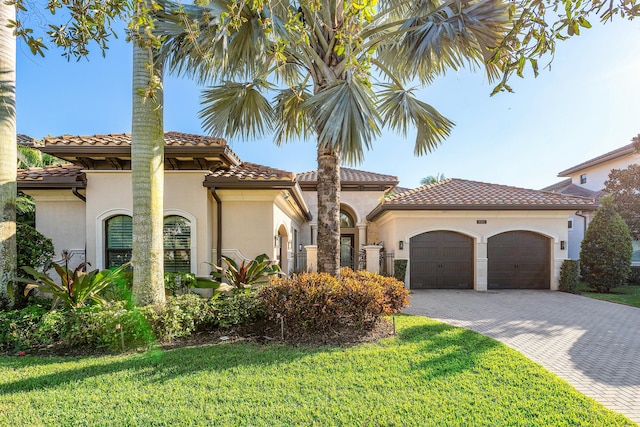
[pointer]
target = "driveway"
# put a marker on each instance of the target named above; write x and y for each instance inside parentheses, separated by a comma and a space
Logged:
(594, 345)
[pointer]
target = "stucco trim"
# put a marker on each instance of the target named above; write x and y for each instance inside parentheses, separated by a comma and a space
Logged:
(468, 233)
(100, 220)
(485, 237)
(193, 226)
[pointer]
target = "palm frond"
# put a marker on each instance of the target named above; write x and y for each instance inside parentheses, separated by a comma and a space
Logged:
(403, 112)
(455, 34)
(292, 120)
(346, 118)
(237, 109)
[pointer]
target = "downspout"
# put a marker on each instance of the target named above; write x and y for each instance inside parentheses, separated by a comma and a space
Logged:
(219, 226)
(584, 223)
(76, 193)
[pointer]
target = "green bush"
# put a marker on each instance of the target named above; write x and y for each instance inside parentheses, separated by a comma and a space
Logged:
(634, 276)
(240, 308)
(33, 250)
(400, 269)
(318, 302)
(177, 283)
(19, 328)
(569, 276)
(605, 255)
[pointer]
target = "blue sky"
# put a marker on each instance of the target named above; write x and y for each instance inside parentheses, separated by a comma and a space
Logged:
(586, 105)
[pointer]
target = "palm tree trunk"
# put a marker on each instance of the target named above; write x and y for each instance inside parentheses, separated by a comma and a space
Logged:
(8, 152)
(329, 211)
(147, 174)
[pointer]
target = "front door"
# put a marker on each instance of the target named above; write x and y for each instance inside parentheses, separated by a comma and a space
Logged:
(347, 255)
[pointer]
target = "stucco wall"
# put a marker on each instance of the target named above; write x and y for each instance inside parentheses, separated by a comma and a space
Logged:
(109, 193)
(597, 175)
(402, 225)
(60, 216)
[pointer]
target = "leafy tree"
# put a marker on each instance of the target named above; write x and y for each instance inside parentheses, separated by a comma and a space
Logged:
(310, 69)
(605, 254)
(624, 187)
(432, 179)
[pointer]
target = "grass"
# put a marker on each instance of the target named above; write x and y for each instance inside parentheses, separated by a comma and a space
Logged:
(628, 295)
(431, 374)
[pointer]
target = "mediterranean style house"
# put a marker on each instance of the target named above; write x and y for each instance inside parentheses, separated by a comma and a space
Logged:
(587, 180)
(457, 233)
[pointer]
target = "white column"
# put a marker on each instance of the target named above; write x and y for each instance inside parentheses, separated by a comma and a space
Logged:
(482, 267)
(312, 257)
(373, 258)
(362, 234)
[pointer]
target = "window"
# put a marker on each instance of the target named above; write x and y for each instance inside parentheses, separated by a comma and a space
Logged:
(570, 224)
(346, 220)
(583, 178)
(118, 238)
(177, 244)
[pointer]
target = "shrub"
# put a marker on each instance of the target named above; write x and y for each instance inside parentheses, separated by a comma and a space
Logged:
(400, 269)
(634, 276)
(238, 309)
(256, 272)
(18, 328)
(33, 250)
(605, 255)
(175, 283)
(319, 302)
(569, 276)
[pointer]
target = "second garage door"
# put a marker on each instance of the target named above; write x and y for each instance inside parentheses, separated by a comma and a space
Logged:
(441, 260)
(518, 260)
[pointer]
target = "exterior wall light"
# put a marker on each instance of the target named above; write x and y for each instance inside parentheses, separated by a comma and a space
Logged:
(563, 245)
(401, 245)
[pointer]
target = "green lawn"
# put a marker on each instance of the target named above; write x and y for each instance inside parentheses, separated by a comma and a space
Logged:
(629, 295)
(431, 374)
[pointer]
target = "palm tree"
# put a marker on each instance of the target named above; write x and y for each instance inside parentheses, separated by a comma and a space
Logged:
(432, 179)
(8, 152)
(147, 175)
(334, 70)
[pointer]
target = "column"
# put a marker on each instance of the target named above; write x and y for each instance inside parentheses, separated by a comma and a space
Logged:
(312, 257)
(373, 258)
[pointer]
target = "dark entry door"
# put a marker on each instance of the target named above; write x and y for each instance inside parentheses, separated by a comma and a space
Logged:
(346, 250)
(441, 260)
(518, 260)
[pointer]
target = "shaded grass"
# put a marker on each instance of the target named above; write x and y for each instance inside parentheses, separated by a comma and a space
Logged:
(628, 295)
(431, 374)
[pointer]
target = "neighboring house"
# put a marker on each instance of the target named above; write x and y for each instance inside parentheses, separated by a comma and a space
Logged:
(587, 180)
(454, 234)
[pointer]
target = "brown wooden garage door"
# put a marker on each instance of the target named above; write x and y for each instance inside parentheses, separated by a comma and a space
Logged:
(441, 260)
(518, 260)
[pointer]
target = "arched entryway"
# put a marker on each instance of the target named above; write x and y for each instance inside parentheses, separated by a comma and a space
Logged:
(441, 260)
(282, 249)
(519, 260)
(348, 239)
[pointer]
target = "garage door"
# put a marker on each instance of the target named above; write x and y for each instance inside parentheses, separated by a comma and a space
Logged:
(441, 260)
(518, 260)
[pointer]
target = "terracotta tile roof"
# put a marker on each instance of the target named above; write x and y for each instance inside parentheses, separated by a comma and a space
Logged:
(26, 140)
(117, 139)
(250, 171)
(350, 175)
(63, 176)
(460, 194)
(397, 190)
(611, 155)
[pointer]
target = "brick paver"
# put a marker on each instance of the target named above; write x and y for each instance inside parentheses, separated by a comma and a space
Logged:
(594, 345)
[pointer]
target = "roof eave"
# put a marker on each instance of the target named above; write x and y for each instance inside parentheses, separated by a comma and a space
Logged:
(595, 162)
(378, 210)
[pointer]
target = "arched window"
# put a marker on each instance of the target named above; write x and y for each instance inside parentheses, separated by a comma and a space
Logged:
(118, 238)
(177, 244)
(346, 220)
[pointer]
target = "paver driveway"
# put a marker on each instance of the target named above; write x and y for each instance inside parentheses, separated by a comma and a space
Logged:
(594, 345)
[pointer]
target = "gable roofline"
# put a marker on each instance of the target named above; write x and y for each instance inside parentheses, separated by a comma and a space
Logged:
(611, 155)
(68, 176)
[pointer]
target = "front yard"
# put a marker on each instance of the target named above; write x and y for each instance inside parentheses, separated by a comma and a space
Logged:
(431, 374)
(628, 295)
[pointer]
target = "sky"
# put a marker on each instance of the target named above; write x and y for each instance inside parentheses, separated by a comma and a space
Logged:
(587, 104)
